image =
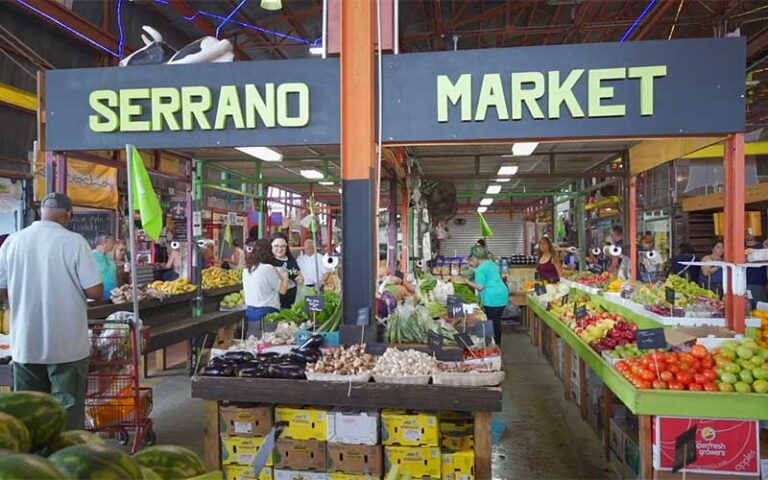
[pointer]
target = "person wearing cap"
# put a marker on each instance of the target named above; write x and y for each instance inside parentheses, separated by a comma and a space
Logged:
(493, 291)
(47, 272)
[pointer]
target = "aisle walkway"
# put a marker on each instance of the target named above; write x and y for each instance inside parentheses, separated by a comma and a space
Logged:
(543, 436)
(538, 435)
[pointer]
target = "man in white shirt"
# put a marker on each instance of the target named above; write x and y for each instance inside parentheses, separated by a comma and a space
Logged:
(46, 273)
(311, 265)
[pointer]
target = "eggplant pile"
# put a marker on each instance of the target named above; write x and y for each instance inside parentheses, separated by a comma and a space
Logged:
(266, 365)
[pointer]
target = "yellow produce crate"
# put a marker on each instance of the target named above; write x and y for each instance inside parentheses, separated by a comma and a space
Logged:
(309, 423)
(409, 428)
(419, 462)
(246, 472)
(458, 465)
(242, 450)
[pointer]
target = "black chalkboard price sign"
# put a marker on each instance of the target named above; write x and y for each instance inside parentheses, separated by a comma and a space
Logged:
(670, 295)
(455, 310)
(581, 312)
(91, 224)
(434, 340)
(651, 338)
(315, 303)
(539, 289)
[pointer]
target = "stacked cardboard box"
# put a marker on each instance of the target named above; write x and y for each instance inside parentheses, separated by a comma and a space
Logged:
(411, 440)
(242, 429)
(302, 449)
(354, 451)
(457, 441)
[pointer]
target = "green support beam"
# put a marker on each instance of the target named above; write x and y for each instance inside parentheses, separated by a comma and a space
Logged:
(271, 181)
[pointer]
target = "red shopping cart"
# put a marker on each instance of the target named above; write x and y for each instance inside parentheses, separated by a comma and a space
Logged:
(115, 402)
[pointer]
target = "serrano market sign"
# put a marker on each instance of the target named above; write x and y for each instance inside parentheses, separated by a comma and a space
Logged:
(685, 87)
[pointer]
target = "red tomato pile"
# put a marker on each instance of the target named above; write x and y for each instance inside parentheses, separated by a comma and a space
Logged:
(672, 370)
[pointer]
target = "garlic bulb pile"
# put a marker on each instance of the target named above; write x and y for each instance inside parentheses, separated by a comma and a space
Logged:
(404, 363)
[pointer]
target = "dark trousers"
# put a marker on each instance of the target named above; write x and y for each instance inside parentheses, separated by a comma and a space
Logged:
(287, 300)
(67, 382)
(494, 315)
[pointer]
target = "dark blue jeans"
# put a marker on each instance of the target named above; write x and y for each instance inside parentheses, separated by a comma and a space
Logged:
(254, 315)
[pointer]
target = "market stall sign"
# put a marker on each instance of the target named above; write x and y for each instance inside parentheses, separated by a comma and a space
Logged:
(722, 446)
(88, 184)
(632, 89)
(571, 91)
(175, 106)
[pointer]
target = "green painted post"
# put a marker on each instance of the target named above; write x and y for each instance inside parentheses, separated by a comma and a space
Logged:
(581, 229)
(198, 170)
(261, 191)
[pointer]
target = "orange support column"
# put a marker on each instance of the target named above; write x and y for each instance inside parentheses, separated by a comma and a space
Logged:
(735, 184)
(631, 233)
(358, 158)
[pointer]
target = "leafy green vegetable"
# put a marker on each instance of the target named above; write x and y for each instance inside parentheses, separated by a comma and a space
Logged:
(466, 293)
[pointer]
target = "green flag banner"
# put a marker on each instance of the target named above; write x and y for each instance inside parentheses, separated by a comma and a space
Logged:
(228, 234)
(144, 198)
(485, 230)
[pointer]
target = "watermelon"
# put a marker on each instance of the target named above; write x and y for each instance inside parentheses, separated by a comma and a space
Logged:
(24, 465)
(149, 474)
(43, 416)
(75, 437)
(171, 462)
(14, 435)
(92, 461)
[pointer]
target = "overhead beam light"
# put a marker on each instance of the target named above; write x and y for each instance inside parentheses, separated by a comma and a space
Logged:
(486, 202)
(524, 149)
(493, 189)
(262, 153)
(502, 180)
(482, 209)
(312, 174)
(325, 183)
(507, 170)
(316, 50)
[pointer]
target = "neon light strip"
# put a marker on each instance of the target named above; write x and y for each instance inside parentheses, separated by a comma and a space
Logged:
(231, 14)
(81, 35)
(638, 20)
(203, 13)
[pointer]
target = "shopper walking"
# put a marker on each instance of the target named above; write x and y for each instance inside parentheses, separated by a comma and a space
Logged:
(549, 267)
(105, 244)
(47, 272)
(712, 276)
(263, 283)
(284, 259)
(493, 291)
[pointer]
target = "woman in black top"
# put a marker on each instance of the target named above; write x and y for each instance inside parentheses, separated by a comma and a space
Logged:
(284, 259)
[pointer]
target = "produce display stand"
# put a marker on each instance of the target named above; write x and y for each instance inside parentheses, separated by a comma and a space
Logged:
(546, 328)
(479, 400)
(213, 297)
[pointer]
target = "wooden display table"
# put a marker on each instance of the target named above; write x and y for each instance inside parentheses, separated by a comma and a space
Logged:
(479, 400)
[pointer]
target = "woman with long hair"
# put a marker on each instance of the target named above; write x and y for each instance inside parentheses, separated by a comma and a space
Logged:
(549, 267)
(493, 291)
(712, 276)
(263, 283)
(283, 259)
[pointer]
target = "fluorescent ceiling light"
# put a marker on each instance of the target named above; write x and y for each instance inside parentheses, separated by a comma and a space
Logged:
(482, 209)
(325, 183)
(507, 170)
(493, 189)
(316, 50)
(262, 153)
(312, 174)
(502, 180)
(339, 190)
(523, 149)
(486, 201)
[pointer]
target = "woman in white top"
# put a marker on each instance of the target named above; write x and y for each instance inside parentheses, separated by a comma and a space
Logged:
(263, 283)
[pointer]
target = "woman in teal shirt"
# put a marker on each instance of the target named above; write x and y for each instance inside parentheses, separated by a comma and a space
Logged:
(493, 290)
(105, 243)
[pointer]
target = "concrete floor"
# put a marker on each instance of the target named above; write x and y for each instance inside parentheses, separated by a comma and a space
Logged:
(538, 435)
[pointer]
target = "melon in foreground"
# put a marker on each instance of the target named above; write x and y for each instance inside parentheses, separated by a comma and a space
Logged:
(92, 461)
(14, 435)
(149, 474)
(171, 462)
(43, 416)
(24, 466)
(75, 437)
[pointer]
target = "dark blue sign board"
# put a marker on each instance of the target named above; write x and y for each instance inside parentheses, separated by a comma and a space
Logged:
(632, 89)
(651, 338)
(314, 303)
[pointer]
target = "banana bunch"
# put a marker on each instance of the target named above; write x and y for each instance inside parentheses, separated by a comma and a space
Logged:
(5, 324)
(216, 277)
(175, 287)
